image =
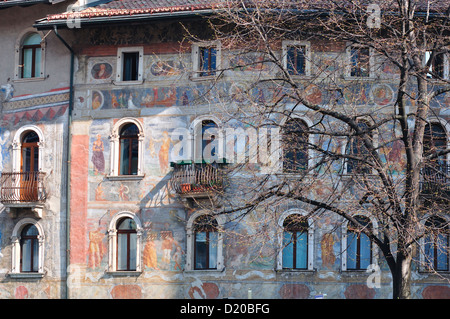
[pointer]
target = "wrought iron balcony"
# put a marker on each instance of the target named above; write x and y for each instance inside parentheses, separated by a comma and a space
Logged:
(196, 180)
(436, 181)
(22, 187)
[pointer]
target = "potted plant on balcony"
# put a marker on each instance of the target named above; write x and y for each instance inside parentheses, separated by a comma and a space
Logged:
(185, 187)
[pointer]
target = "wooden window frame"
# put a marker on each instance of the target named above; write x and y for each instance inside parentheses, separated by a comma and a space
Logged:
(128, 233)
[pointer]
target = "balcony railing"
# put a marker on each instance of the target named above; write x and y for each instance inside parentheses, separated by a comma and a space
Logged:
(22, 187)
(436, 180)
(196, 180)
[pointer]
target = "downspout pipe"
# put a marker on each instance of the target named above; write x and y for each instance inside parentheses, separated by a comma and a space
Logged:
(69, 156)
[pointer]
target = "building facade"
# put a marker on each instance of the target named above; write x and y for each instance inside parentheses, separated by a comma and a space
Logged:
(134, 216)
(34, 100)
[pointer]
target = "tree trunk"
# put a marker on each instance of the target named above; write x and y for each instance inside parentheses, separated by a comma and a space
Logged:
(401, 277)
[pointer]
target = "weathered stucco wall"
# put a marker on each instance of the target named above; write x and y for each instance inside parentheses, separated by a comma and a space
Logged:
(166, 100)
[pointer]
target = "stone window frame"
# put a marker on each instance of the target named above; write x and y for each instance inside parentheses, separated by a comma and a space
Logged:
(115, 146)
(16, 250)
(280, 232)
(119, 65)
(195, 55)
(294, 43)
(344, 229)
(190, 242)
(112, 243)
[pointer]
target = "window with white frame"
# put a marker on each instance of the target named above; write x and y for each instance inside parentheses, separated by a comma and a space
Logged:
(127, 139)
(208, 140)
(296, 240)
(206, 59)
(204, 242)
(297, 57)
(28, 248)
(130, 62)
(124, 243)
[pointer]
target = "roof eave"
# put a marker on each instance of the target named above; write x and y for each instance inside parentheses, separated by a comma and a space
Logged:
(45, 24)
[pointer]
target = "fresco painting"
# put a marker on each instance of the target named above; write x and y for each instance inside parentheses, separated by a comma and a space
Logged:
(101, 71)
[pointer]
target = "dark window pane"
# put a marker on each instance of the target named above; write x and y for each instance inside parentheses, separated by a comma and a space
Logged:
(130, 66)
(296, 62)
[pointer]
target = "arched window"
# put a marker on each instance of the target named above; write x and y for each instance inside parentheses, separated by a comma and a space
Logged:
(205, 242)
(29, 168)
(129, 149)
(359, 247)
(209, 141)
(357, 148)
(437, 244)
(30, 152)
(295, 242)
(31, 55)
(29, 248)
(295, 146)
(126, 245)
(124, 241)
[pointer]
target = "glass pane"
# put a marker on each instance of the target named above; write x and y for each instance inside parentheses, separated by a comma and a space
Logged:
(32, 39)
(429, 251)
(296, 60)
(442, 252)
(127, 224)
(122, 252)
(208, 61)
(129, 130)
(124, 157)
(351, 250)
(37, 62)
(27, 63)
(302, 250)
(213, 239)
(200, 250)
(134, 157)
(288, 250)
(26, 159)
(35, 255)
(130, 66)
(366, 252)
(133, 251)
(209, 140)
(30, 230)
(26, 254)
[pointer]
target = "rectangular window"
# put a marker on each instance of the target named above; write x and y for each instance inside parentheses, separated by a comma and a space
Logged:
(359, 62)
(130, 69)
(208, 61)
(206, 250)
(128, 156)
(295, 251)
(437, 65)
(129, 65)
(296, 60)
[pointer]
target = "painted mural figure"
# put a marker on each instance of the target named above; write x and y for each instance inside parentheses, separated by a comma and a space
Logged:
(95, 248)
(150, 256)
(3, 138)
(97, 156)
(168, 244)
(163, 154)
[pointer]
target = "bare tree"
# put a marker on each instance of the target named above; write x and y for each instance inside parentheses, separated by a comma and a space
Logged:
(370, 146)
